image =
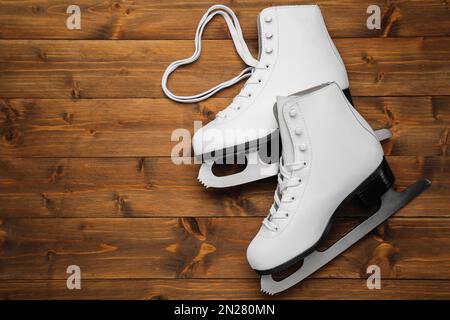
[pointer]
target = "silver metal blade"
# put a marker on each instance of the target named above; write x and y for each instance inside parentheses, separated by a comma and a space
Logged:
(256, 169)
(392, 201)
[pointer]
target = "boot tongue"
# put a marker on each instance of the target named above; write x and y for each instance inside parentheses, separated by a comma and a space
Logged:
(287, 146)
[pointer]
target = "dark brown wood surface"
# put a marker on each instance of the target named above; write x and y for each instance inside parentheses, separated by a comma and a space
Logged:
(155, 187)
(133, 69)
(108, 248)
(222, 289)
(85, 142)
(143, 127)
(153, 19)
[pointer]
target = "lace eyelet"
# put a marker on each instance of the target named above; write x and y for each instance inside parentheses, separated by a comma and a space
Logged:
(300, 180)
(238, 108)
(287, 214)
(267, 66)
(249, 95)
(292, 198)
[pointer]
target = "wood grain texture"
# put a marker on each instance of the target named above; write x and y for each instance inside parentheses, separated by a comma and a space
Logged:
(144, 187)
(143, 127)
(39, 19)
(85, 141)
(404, 248)
(230, 289)
(133, 69)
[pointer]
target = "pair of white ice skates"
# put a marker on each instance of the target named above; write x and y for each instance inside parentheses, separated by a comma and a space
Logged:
(297, 90)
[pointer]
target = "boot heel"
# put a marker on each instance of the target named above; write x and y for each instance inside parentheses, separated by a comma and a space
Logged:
(371, 190)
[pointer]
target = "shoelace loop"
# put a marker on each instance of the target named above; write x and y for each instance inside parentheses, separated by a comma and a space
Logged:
(241, 48)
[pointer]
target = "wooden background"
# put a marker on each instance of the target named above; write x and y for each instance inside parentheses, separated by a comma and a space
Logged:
(85, 172)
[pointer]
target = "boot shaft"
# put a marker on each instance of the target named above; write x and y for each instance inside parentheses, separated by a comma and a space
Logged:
(295, 44)
(296, 53)
(321, 127)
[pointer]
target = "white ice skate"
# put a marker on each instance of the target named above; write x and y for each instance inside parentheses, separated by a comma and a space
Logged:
(295, 53)
(330, 155)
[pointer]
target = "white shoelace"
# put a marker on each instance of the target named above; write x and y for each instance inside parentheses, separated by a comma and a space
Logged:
(241, 48)
(286, 180)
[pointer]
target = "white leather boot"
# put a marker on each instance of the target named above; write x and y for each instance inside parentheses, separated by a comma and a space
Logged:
(330, 155)
(295, 53)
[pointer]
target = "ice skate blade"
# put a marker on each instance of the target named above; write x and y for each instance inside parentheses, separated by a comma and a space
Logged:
(391, 202)
(256, 169)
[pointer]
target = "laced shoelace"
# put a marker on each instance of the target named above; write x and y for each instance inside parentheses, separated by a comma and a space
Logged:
(241, 48)
(286, 180)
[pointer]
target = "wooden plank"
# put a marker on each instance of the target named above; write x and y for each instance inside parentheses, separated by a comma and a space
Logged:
(39, 19)
(404, 248)
(230, 289)
(142, 187)
(133, 69)
(143, 127)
